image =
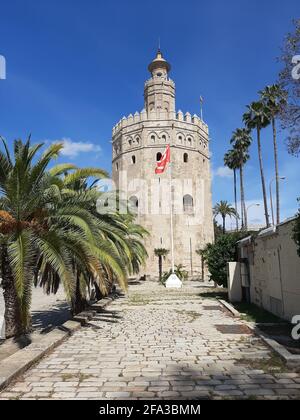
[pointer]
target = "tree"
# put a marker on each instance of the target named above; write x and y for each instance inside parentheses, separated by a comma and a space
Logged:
(274, 99)
(257, 118)
(161, 253)
(224, 209)
(296, 234)
(231, 161)
(241, 141)
(24, 230)
(217, 256)
(49, 232)
(118, 232)
(289, 78)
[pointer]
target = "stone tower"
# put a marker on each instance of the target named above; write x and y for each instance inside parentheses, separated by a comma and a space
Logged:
(138, 143)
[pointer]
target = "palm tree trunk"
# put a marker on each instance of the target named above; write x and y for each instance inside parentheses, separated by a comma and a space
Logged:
(79, 303)
(160, 267)
(262, 178)
(12, 314)
(98, 292)
(276, 171)
(243, 198)
(235, 199)
(224, 224)
(242, 204)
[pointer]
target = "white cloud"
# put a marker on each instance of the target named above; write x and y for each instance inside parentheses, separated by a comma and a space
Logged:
(72, 148)
(223, 172)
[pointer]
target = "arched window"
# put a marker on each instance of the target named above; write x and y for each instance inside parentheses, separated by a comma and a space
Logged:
(164, 137)
(158, 157)
(189, 141)
(185, 158)
(117, 166)
(153, 139)
(133, 160)
(188, 204)
(134, 204)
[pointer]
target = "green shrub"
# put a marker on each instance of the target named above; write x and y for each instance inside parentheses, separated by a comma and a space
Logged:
(217, 255)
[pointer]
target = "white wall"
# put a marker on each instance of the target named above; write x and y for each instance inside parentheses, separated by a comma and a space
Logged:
(274, 267)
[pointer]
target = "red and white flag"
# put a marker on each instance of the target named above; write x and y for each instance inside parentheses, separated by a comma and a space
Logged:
(165, 159)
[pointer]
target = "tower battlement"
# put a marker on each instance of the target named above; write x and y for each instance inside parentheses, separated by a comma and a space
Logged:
(140, 117)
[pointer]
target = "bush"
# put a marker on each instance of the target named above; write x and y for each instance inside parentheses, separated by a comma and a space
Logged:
(217, 256)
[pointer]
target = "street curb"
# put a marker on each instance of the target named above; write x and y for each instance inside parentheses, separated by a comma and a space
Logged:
(230, 308)
(291, 360)
(19, 362)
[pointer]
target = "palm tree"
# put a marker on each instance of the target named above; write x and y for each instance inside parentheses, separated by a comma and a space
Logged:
(241, 141)
(118, 232)
(274, 99)
(257, 118)
(231, 161)
(22, 228)
(161, 253)
(48, 232)
(224, 209)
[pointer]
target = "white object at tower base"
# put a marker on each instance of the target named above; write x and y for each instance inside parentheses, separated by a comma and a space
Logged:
(173, 282)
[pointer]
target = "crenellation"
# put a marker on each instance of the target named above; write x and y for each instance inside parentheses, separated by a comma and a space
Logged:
(179, 115)
(143, 115)
(187, 117)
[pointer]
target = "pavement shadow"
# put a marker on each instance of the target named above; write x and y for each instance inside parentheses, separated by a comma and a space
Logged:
(214, 294)
(53, 317)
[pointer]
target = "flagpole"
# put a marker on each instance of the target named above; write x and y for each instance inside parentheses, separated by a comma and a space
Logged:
(201, 107)
(171, 219)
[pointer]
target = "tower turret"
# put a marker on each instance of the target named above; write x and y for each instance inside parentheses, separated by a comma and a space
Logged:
(159, 90)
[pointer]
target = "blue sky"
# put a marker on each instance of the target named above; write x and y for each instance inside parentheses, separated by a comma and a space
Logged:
(75, 67)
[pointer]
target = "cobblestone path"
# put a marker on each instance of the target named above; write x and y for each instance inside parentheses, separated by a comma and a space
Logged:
(159, 344)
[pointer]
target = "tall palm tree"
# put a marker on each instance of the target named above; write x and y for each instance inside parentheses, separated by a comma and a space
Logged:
(224, 209)
(241, 141)
(274, 99)
(257, 118)
(161, 253)
(231, 161)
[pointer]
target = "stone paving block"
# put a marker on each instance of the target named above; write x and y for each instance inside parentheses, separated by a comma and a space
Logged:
(259, 391)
